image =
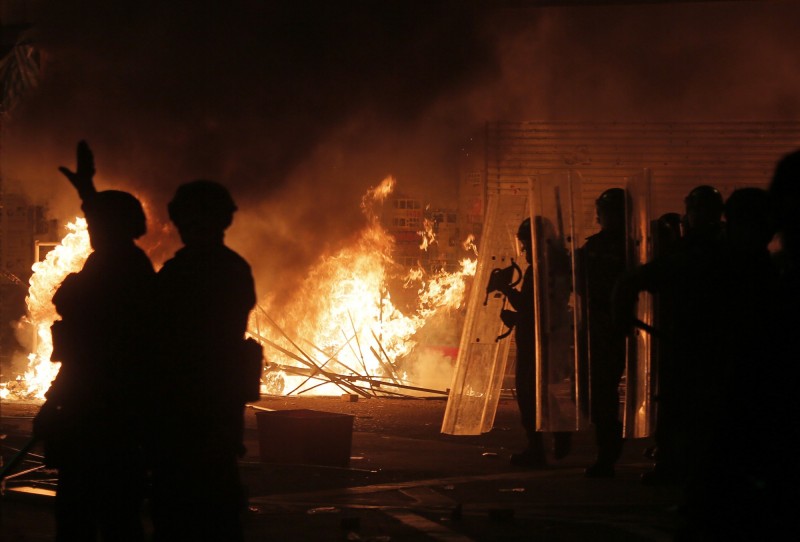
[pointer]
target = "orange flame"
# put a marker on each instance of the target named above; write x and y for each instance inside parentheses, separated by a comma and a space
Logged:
(66, 258)
(470, 246)
(343, 319)
(427, 234)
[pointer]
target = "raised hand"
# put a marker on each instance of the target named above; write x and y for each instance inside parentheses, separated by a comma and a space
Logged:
(83, 177)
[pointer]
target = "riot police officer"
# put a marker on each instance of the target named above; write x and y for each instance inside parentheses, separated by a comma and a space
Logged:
(522, 318)
(692, 279)
(602, 261)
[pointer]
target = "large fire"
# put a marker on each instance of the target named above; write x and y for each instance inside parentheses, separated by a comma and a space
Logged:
(342, 328)
(341, 332)
(64, 259)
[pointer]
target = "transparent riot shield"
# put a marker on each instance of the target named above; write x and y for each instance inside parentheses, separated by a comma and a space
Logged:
(483, 353)
(639, 414)
(555, 208)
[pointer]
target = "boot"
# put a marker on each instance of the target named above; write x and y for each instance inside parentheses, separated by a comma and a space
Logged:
(609, 448)
(562, 444)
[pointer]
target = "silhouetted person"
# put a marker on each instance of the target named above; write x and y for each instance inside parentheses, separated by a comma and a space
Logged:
(691, 280)
(667, 233)
(783, 481)
(91, 423)
(602, 261)
(204, 296)
(725, 497)
(702, 227)
(522, 317)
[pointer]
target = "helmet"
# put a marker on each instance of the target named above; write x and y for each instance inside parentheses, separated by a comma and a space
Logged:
(202, 205)
(116, 213)
(704, 206)
(670, 221)
(610, 207)
(612, 200)
(524, 231)
(705, 199)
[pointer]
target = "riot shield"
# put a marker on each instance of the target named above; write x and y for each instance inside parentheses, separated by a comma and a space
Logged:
(639, 413)
(555, 204)
(483, 353)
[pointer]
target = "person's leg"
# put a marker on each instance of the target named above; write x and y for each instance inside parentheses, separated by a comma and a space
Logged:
(562, 444)
(608, 428)
(608, 438)
(534, 454)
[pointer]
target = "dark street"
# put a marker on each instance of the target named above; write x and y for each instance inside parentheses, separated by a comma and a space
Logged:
(407, 481)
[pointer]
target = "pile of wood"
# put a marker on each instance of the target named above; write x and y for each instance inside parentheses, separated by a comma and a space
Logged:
(325, 369)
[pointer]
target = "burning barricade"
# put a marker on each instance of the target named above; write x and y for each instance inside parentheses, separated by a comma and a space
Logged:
(340, 333)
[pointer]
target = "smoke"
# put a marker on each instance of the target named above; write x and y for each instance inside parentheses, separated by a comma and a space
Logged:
(294, 106)
(300, 107)
(678, 62)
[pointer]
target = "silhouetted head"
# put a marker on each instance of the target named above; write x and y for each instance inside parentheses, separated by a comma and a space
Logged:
(748, 216)
(704, 205)
(610, 207)
(113, 217)
(202, 210)
(784, 191)
(668, 232)
(524, 231)
(670, 223)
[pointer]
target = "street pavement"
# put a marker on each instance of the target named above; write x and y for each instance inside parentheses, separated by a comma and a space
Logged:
(405, 481)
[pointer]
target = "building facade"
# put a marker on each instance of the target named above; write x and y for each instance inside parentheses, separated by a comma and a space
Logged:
(23, 226)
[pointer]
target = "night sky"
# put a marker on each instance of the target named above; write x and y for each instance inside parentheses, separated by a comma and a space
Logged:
(300, 108)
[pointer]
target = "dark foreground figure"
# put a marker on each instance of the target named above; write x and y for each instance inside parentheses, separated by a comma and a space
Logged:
(728, 409)
(204, 296)
(90, 424)
(726, 494)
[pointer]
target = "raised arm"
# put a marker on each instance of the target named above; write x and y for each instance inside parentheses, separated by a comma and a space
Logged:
(83, 176)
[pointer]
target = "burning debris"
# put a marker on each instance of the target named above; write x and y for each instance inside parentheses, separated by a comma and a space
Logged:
(340, 333)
